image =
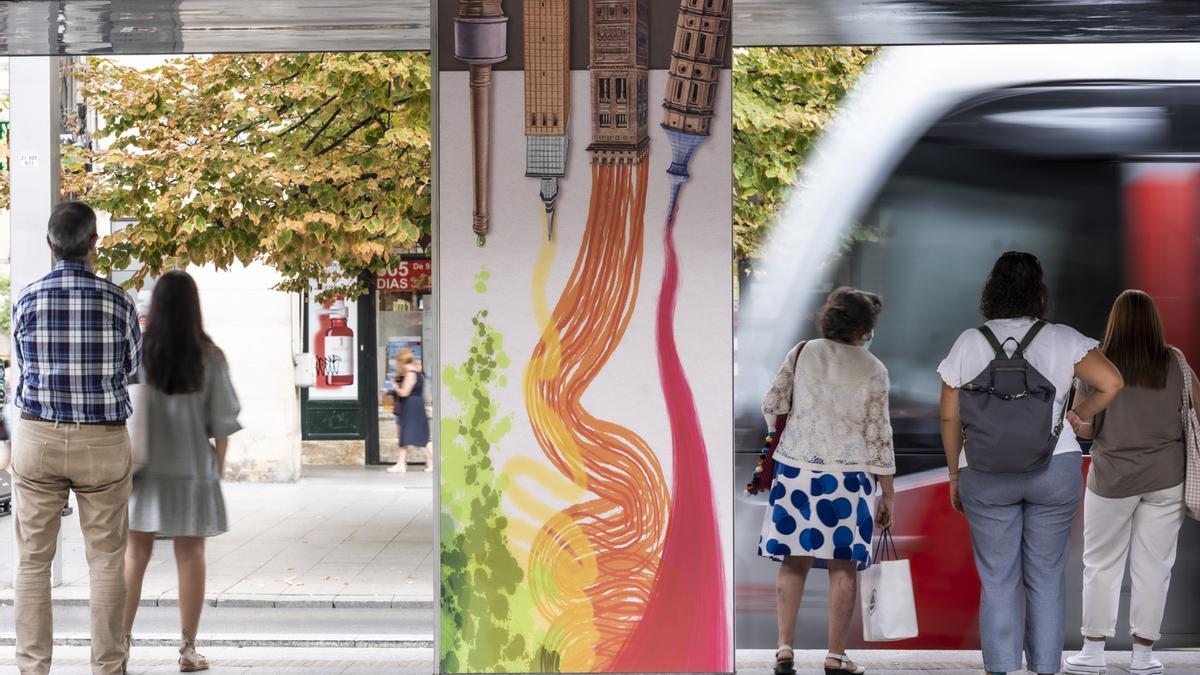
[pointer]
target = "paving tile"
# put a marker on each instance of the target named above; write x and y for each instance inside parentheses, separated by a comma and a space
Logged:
(371, 532)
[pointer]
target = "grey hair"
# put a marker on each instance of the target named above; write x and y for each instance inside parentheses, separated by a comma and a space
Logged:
(71, 230)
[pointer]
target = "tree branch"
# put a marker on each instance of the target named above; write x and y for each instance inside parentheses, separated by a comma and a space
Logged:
(323, 128)
(306, 118)
(353, 130)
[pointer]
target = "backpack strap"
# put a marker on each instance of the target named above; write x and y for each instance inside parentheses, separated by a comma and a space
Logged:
(1062, 416)
(1028, 339)
(993, 341)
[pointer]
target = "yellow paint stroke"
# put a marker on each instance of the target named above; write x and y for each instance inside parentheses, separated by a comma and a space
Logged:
(534, 487)
(594, 590)
(554, 426)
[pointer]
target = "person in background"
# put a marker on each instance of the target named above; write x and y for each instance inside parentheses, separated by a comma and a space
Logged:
(76, 342)
(835, 395)
(411, 420)
(1021, 522)
(1133, 507)
(5, 417)
(5, 421)
(190, 411)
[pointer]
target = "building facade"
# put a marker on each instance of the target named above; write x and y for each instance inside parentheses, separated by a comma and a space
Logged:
(619, 65)
(547, 95)
(701, 39)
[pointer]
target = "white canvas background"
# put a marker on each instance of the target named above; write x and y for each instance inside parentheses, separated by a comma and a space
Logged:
(627, 391)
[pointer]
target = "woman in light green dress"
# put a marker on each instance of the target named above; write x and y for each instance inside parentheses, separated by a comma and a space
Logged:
(189, 411)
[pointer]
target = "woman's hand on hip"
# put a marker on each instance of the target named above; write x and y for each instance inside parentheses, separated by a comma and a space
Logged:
(885, 510)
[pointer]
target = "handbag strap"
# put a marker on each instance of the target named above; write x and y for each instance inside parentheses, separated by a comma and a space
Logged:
(1186, 371)
(885, 547)
(792, 391)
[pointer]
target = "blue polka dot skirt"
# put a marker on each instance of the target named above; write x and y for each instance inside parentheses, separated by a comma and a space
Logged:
(825, 516)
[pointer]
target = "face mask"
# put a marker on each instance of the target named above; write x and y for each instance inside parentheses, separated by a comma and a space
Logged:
(867, 344)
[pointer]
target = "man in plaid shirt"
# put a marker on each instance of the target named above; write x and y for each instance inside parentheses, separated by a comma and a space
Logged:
(77, 342)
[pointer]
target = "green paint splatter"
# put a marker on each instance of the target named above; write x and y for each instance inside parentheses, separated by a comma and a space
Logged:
(481, 280)
(487, 611)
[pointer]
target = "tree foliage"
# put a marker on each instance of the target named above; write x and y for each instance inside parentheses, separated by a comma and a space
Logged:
(783, 98)
(316, 164)
(5, 305)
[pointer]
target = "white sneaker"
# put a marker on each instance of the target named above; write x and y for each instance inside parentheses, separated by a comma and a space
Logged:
(1087, 662)
(1144, 663)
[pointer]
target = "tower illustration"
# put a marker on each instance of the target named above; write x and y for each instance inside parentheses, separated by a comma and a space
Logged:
(480, 41)
(547, 96)
(619, 65)
(701, 35)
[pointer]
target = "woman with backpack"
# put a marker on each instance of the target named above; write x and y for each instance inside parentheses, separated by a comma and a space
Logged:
(1015, 468)
(1134, 506)
(834, 468)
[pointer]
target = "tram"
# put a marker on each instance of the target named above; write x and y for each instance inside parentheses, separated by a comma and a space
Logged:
(941, 159)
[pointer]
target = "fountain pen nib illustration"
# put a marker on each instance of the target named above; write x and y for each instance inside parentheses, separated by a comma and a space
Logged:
(549, 195)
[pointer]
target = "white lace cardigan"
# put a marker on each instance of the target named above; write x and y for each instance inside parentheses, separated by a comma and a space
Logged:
(836, 398)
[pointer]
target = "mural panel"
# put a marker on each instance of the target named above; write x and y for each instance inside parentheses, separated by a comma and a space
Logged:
(586, 414)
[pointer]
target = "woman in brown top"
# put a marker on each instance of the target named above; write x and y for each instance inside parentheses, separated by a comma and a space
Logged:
(1133, 507)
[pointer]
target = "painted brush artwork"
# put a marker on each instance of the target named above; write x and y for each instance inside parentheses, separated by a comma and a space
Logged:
(547, 45)
(481, 41)
(586, 415)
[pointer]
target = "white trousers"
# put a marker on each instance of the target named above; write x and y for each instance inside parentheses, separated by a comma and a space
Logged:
(1143, 529)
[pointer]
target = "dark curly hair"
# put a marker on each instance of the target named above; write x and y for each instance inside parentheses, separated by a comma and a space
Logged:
(1015, 289)
(848, 314)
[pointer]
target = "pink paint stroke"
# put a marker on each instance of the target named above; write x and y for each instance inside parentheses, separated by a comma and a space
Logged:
(686, 624)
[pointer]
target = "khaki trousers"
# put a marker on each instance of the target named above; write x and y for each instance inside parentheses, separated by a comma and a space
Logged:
(48, 461)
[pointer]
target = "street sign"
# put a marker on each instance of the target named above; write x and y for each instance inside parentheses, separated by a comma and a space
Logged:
(411, 275)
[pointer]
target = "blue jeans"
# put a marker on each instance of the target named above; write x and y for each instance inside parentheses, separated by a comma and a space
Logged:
(1020, 532)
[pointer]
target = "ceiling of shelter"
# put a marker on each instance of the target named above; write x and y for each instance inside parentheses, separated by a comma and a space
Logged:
(888, 22)
(205, 26)
(210, 26)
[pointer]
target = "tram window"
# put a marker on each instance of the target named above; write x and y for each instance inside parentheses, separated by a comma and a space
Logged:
(939, 224)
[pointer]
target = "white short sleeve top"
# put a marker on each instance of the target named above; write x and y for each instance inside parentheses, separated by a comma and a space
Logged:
(1054, 353)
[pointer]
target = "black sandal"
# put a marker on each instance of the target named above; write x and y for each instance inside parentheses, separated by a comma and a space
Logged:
(785, 665)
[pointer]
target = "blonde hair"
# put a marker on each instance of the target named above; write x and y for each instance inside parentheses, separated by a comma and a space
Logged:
(404, 357)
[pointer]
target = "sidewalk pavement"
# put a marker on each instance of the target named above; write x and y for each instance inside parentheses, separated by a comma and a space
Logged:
(885, 662)
(342, 536)
(363, 661)
(252, 660)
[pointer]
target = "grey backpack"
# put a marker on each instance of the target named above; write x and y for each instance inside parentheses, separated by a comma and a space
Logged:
(1007, 411)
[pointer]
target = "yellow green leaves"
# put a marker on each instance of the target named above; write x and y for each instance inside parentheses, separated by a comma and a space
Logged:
(301, 161)
(783, 98)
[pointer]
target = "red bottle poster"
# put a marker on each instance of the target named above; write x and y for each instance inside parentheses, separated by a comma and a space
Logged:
(333, 340)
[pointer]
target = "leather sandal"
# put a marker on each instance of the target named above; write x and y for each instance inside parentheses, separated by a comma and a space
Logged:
(785, 661)
(844, 663)
(189, 660)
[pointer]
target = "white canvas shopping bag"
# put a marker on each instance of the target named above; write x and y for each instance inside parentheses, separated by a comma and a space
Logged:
(889, 609)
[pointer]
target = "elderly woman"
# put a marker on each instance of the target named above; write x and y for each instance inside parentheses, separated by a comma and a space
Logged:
(835, 465)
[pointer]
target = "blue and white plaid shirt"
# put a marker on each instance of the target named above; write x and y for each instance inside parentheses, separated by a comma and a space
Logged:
(77, 341)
